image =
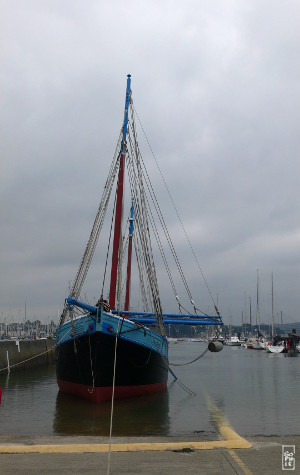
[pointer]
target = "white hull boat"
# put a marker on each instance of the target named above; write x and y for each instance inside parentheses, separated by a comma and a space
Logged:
(233, 341)
(280, 348)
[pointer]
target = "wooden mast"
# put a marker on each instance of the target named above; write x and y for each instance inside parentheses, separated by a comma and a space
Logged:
(119, 206)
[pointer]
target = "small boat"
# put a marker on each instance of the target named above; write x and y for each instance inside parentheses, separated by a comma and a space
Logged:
(254, 344)
(108, 349)
(233, 341)
(263, 344)
(287, 344)
(278, 348)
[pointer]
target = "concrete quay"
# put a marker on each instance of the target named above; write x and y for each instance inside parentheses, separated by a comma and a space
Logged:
(168, 455)
(25, 354)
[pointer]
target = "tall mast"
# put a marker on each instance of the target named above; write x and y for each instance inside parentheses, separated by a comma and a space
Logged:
(257, 302)
(243, 323)
(127, 299)
(250, 317)
(272, 305)
(119, 206)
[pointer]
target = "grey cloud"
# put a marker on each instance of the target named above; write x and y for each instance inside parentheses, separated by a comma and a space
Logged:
(217, 90)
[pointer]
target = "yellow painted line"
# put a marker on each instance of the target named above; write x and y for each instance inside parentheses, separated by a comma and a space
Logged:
(230, 440)
(228, 433)
(134, 447)
(224, 428)
(244, 467)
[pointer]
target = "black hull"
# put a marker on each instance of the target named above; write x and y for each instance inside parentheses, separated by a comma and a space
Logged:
(88, 372)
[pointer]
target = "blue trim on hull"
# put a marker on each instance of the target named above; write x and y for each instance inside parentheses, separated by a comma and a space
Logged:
(85, 351)
(112, 325)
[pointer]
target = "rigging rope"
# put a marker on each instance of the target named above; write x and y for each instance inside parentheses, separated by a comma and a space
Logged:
(159, 243)
(141, 273)
(142, 229)
(177, 212)
(158, 211)
(140, 236)
(109, 241)
(96, 229)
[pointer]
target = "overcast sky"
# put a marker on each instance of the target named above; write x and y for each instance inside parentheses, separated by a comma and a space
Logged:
(216, 85)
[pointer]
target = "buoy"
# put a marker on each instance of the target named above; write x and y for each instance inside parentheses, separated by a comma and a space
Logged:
(215, 346)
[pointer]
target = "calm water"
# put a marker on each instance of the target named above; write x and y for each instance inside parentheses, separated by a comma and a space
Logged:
(258, 393)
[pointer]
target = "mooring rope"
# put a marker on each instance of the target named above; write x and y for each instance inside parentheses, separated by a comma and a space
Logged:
(36, 356)
(190, 362)
(167, 365)
(25, 361)
(112, 399)
(91, 363)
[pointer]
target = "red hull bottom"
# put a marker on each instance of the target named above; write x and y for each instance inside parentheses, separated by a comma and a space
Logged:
(100, 394)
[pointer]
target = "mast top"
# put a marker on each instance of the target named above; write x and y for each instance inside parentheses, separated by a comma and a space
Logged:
(127, 99)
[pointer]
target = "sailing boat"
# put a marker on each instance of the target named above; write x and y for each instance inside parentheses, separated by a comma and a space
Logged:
(256, 343)
(108, 350)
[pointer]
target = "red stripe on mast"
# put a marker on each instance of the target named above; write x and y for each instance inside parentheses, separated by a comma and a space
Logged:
(117, 235)
(119, 206)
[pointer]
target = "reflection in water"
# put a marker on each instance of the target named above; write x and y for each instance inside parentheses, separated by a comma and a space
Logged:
(28, 378)
(258, 393)
(28, 401)
(134, 416)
